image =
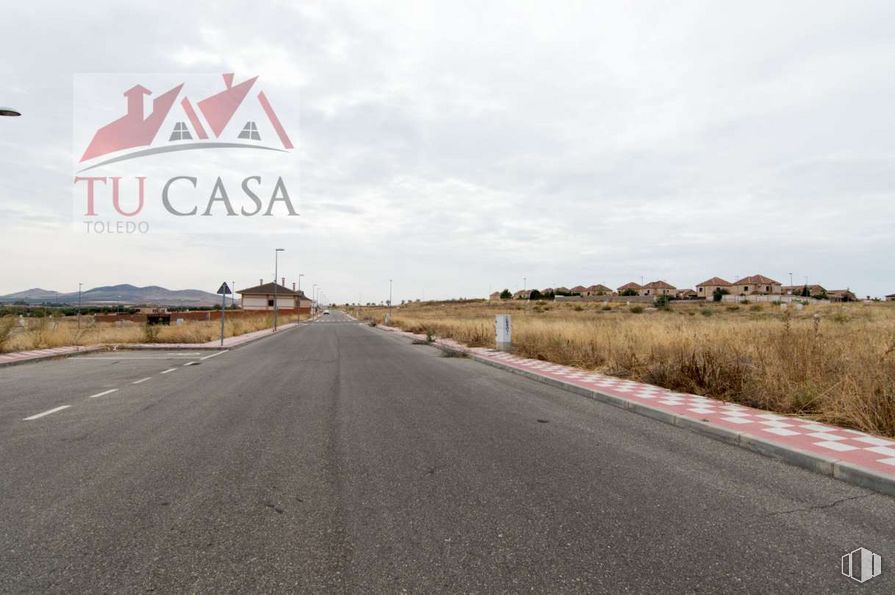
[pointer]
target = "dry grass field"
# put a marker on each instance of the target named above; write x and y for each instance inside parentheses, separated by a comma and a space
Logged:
(41, 333)
(830, 362)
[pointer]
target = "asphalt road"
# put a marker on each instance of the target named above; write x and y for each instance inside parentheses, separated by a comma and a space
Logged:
(338, 458)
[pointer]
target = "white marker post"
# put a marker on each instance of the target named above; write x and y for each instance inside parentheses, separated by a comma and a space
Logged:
(504, 332)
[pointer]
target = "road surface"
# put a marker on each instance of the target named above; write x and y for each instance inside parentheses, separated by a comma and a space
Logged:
(335, 457)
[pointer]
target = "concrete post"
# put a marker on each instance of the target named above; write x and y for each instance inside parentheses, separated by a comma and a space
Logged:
(504, 332)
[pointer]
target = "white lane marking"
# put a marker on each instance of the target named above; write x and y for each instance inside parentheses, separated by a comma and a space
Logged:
(213, 355)
(194, 363)
(142, 380)
(39, 415)
(103, 394)
(169, 370)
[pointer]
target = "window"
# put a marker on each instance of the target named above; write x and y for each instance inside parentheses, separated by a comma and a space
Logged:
(768, 288)
(181, 132)
(269, 303)
(746, 288)
(250, 131)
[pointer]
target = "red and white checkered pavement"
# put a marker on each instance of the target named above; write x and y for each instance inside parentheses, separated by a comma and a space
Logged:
(831, 442)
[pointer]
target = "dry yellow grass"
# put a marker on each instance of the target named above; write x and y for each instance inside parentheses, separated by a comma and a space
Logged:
(834, 363)
(41, 333)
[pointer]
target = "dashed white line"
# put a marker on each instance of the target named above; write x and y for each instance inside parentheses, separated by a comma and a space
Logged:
(51, 411)
(103, 394)
(142, 380)
(169, 370)
(193, 363)
(213, 355)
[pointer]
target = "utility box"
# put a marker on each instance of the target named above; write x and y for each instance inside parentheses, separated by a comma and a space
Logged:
(504, 332)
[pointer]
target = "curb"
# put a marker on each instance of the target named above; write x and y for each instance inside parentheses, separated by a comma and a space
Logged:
(824, 465)
(153, 346)
(49, 356)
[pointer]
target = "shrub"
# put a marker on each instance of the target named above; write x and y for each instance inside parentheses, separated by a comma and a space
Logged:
(636, 309)
(719, 293)
(505, 294)
(706, 312)
(663, 302)
(151, 332)
(629, 292)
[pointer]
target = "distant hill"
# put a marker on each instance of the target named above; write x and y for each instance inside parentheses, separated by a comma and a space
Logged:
(118, 294)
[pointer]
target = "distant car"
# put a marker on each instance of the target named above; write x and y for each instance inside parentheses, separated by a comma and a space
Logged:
(326, 312)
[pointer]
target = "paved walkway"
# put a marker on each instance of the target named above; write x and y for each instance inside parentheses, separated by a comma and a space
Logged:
(20, 357)
(850, 455)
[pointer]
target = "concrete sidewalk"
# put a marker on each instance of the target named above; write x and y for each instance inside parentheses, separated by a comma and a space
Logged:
(849, 455)
(22, 357)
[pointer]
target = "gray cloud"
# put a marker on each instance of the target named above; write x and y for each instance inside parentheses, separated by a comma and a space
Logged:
(459, 148)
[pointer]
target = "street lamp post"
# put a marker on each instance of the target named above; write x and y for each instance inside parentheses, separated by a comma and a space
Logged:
(314, 299)
(276, 271)
(389, 300)
(79, 305)
(300, 275)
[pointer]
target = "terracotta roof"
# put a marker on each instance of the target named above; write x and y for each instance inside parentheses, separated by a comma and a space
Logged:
(714, 282)
(562, 289)
(630, 285)
(756, 280)
(268, 288)
(659, 285)
(579, 289)
(598, 287)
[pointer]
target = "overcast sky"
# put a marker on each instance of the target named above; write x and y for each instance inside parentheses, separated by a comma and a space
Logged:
(459, 148)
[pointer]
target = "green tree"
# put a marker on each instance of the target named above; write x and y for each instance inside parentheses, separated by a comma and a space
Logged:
(534, 295)
(719, 294)
(628, 292)
(505, 294)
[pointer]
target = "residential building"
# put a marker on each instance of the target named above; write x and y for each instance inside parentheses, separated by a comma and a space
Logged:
(522, 294)
(841, 295)
(579, 290)
(756, 285)
(261, 297)
(813, 290)
(597, 290)
(630, 286)
(562, 291)
(890, 297)
(706, 289)
(687, 294)
(494, 297)
(658, 288)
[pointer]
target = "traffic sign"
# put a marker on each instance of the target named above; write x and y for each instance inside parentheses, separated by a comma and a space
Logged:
(224, 290)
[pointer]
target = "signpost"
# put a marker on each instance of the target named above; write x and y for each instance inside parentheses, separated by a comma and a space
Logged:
(224, 291)
(504, 332)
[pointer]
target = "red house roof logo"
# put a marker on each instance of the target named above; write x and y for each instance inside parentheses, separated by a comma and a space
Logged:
(136, 129)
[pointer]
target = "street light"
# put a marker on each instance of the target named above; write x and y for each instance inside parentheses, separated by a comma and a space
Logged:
(79, 305)
(313, 298)
(276, 271)
(8, 111)
(389, 300)
(300, 275)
